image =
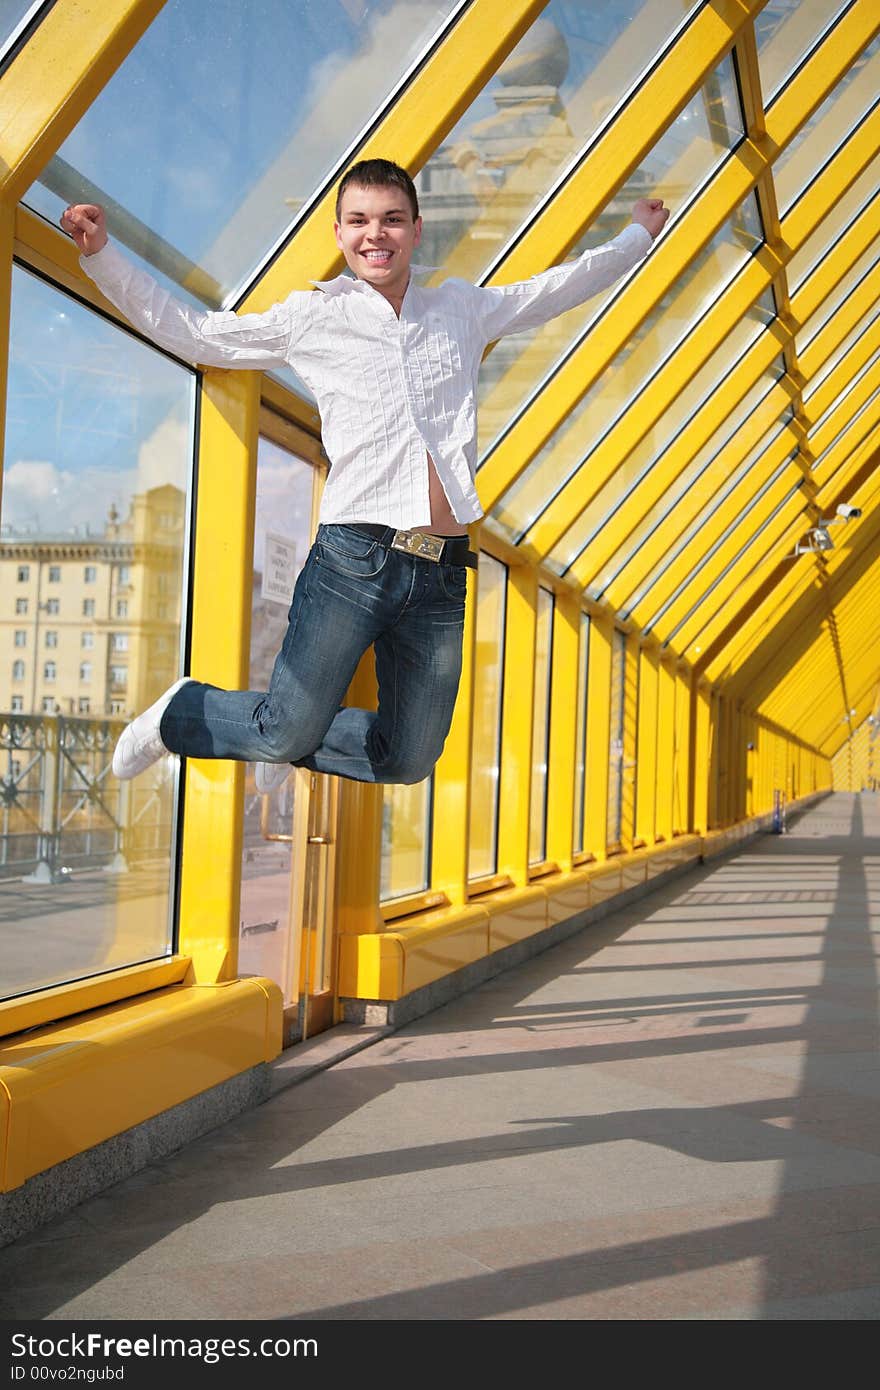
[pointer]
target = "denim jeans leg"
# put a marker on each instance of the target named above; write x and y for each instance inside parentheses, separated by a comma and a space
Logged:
(324, 642)
(418, 667)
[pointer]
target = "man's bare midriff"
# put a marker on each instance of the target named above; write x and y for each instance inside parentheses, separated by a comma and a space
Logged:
(443, 521)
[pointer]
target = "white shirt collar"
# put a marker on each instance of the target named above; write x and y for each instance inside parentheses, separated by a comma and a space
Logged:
(345, 283)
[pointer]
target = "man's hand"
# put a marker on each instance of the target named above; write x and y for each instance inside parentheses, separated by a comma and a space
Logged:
(651, 214)
(86, 223)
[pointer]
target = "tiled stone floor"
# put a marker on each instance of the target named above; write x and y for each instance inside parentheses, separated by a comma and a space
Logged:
(674, 1115)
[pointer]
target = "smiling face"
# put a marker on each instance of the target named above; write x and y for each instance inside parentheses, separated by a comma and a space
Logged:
(377, 235)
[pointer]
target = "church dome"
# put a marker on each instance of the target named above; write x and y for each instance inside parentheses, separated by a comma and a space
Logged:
(540, 59)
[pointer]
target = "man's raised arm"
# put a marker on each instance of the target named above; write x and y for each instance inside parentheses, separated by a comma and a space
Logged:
(527, 304)
(213, 338)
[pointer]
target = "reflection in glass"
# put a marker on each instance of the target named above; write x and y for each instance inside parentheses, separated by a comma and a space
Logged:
(681, 534)
(269, 897)
(839, 219)
(786, 32)
(530, 125)
(541, 729)
(519, 367)
(660, 335)
(700, 488)
(614, 821)
(406, 839)
(220, 125)
(820, 138)
(99, 437)
(580, 771)
(854, 426)
(486, 759)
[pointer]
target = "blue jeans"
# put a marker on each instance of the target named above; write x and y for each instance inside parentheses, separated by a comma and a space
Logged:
(352, 593)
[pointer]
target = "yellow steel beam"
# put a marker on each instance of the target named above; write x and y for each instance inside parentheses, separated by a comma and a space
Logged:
(744, 577)
(710, 418)
(56, 76)
(761, 612)
(6, 238)
(221, 610)
(701, 743)
(669, 260)
(829, 581)
(410, 132)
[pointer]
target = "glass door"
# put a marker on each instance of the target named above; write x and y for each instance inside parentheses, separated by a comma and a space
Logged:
(286, 918)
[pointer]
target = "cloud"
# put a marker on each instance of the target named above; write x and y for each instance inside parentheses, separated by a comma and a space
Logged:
(40, 496)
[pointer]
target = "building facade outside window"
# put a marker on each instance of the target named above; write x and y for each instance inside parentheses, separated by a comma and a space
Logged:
(51, 638)
(54, 574)
(24, 574)
(21, 605)
(18, 670)
(85, 670)
(49, 671)
(53, 605)
(20, 637)
(17, 704)
(87, 639)
(88, 608)
(90, 574)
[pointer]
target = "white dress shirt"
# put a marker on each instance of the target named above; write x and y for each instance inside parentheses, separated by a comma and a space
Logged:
(389, 390)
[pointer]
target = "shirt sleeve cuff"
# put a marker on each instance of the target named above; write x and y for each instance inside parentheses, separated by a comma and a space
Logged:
(636, 238)
(104, 265)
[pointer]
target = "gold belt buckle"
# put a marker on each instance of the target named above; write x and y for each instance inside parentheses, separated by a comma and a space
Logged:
(418, 543)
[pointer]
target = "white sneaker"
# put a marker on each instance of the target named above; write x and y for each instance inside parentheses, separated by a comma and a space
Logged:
(139, 743)
(268, 776)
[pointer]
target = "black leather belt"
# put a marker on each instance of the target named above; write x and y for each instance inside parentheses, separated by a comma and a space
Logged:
(442, 550)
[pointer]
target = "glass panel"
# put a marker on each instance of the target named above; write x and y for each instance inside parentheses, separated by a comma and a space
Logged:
(218, 128)
(99, 438)
(741, 520)
(580, 772)
(850, 284)
(15, 16)
(623, 484)
(529, 126)
(834, 361)
(541, 730)
(660, 335)
(685, 534)
(282, 536)
(786, 32)
(488, 688)
(614, 822)
(821, 136)
(406, 839)
(520, 366)
(682, 496)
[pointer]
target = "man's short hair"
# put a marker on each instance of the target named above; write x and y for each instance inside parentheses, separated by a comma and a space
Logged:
(377, 173)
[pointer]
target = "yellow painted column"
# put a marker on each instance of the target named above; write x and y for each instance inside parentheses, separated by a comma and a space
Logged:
(598, 736)
(220, 650)
(452, 776)
(682, 752)
(699, 770)
(630, 742)
(563, 729)
(646, 746)
(516, 723)
(665, 747)
(358, 861)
